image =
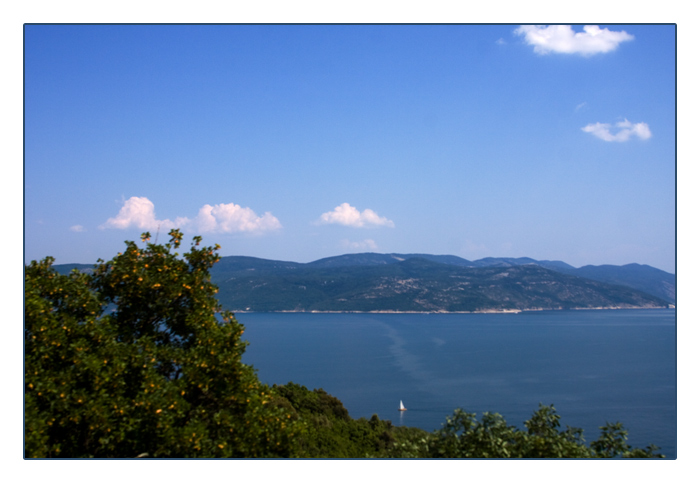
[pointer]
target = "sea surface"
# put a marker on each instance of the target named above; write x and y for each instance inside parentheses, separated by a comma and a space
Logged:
(594, 366)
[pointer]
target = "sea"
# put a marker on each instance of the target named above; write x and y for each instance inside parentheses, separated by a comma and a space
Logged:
(593, 366)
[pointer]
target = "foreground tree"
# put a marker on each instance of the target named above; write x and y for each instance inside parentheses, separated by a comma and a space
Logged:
(138, 358)
(329, 431)
(463, 436)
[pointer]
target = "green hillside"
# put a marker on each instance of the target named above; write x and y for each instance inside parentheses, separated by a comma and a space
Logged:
(430, 283)
(416, 285)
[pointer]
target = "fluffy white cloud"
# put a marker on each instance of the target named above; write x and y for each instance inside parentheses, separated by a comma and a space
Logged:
(139, 212)
(361, 245)
(350, 216)
(231, 218)
(625, 130)
(563, 40)
(77, 228)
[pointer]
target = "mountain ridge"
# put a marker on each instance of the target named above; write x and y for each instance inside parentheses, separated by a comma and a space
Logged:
(431, 283)
(416, 284)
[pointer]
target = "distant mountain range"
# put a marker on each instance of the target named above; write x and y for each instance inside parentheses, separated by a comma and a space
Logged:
(367, 282)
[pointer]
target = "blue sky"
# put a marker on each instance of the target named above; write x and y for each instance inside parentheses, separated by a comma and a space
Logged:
(298, 142)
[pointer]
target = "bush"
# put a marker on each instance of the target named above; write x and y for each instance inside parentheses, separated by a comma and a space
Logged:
(329, 431)
(463, 436)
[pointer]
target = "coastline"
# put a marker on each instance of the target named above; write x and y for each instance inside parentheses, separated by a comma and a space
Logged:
(486, 311)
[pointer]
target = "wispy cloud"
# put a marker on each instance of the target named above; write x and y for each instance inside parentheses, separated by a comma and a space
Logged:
(350, 216)
(580, 106)
(361, 245)
(139, 212)
(473, 250)
(562, 39)
(625, 130)
(77, 228)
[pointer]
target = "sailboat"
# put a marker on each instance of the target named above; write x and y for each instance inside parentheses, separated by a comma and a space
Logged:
(401, 406)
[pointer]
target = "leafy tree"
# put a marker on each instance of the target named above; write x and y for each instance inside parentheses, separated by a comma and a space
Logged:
(544, 440)
(613, 442)
(463, 436)
(138, 358)
(409, 443)
(329, 431)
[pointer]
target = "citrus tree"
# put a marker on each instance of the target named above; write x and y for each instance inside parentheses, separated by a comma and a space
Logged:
(138, 358)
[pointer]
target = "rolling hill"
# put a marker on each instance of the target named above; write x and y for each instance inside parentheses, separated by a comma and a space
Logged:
(431, 283)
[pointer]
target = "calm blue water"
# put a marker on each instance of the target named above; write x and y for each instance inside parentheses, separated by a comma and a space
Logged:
(593, 366)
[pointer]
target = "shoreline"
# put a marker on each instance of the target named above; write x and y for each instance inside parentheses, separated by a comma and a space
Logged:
(487, 311)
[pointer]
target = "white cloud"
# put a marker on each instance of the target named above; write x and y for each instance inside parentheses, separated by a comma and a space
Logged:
(77, 228)
(231, 218)
(625, 130)
(139, 212)
(563, 40)
(580, 106)
(350, 216)
(361, 245)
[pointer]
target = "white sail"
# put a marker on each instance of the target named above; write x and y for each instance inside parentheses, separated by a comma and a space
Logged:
(401, 406)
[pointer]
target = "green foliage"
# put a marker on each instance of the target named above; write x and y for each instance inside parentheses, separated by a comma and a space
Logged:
(408, 443)
(544, 440)
(268, 286)
(463, 436)
(613, 442)
(329, 431)
(138, 358)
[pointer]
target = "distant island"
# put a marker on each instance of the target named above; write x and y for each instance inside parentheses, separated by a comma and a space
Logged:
(373, 282)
